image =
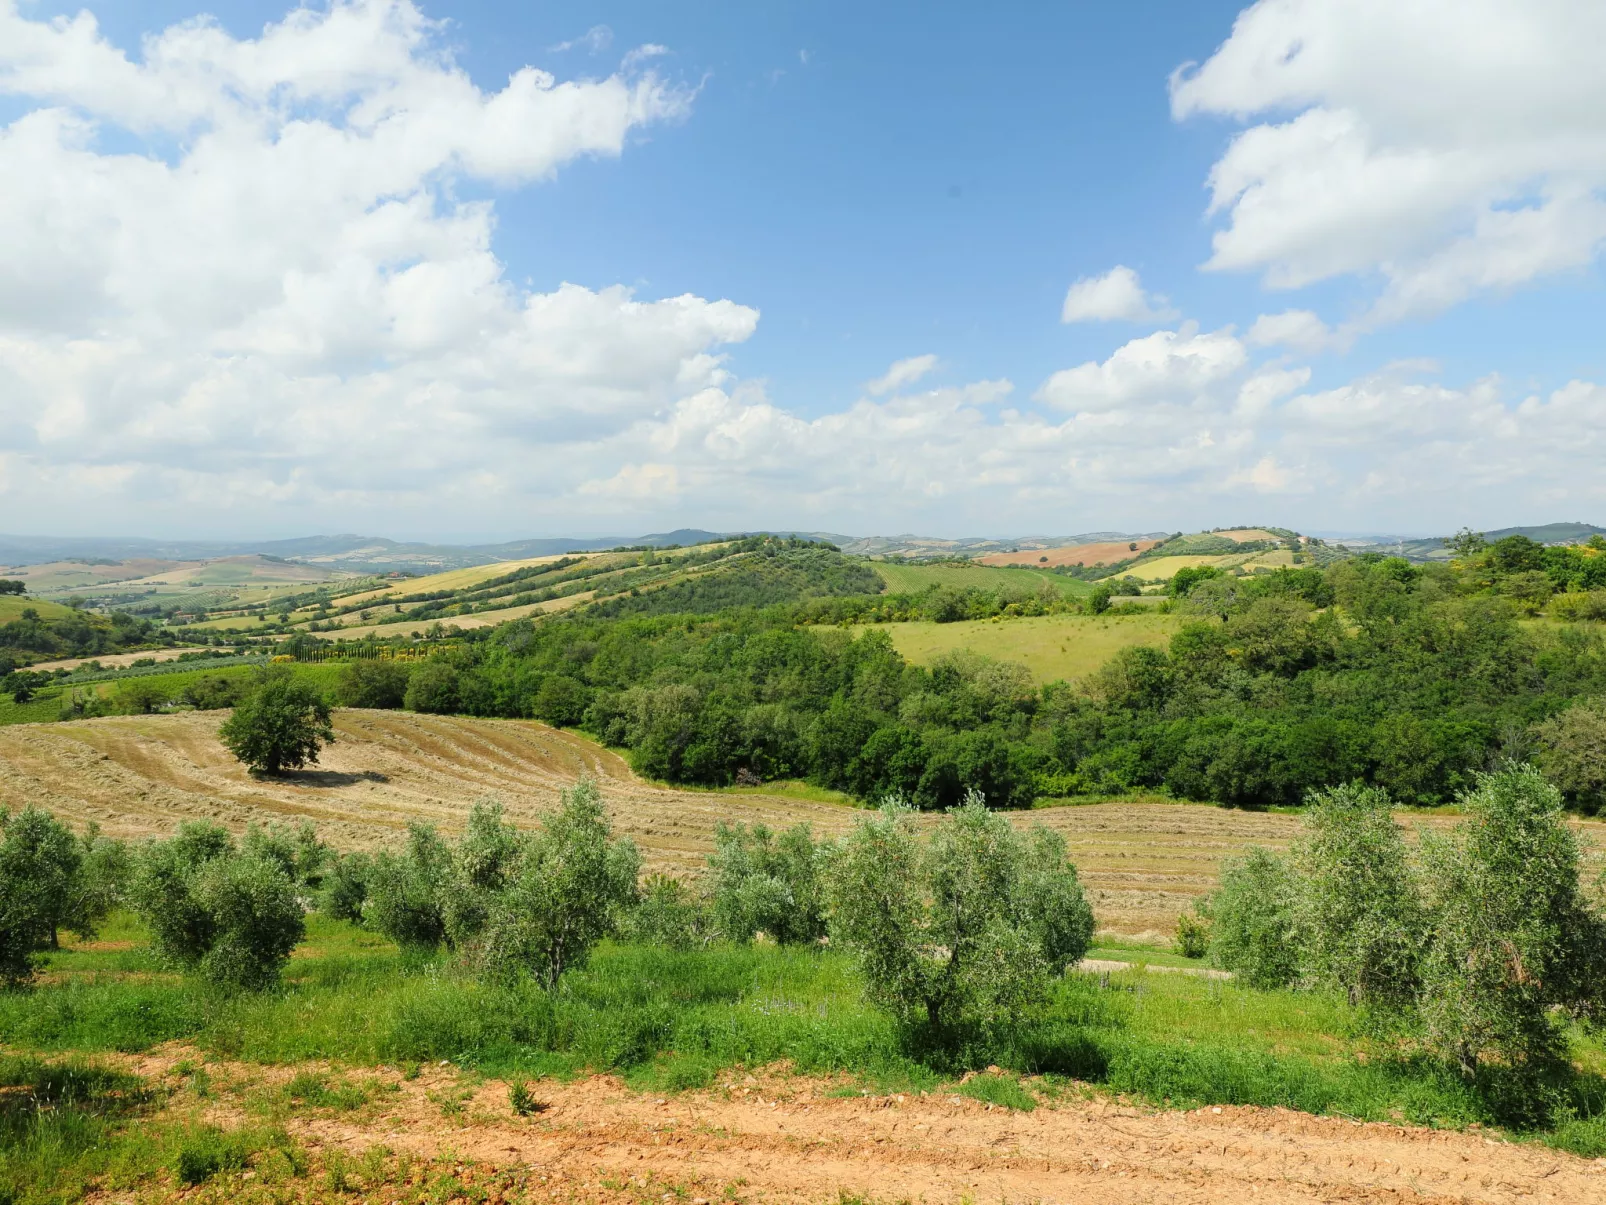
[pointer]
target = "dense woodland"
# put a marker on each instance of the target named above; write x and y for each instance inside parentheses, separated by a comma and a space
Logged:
(1410, 677)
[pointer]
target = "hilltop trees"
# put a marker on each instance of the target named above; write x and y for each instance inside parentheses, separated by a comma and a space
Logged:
(280, 725)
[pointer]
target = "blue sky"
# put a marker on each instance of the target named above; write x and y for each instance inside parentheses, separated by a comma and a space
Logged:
(861, 185)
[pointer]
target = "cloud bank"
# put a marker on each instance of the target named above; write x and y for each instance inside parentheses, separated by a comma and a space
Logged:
(239, 290)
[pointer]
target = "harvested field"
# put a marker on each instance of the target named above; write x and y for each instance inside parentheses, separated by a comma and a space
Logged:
(1144, 862)
(141, 775)
(1107, 553)
(772, 1137)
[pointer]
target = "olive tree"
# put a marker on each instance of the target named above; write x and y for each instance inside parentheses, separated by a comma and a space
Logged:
(231, 916)
(280, 725)
(571, 885)
(770, 885)
(404, 891)
(1358, 916)
(1251, 919)
(1514, 943)
(1572, 753)
(962, 929)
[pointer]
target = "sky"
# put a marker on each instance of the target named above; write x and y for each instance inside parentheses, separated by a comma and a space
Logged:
(482, 270)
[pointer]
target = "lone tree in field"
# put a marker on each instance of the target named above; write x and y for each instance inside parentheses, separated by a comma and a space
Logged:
(280, 725)
(961, 931)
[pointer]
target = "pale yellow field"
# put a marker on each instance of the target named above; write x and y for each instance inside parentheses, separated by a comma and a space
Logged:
(12, 607)
(484, 620)
(1052, 647)
(1164, 568)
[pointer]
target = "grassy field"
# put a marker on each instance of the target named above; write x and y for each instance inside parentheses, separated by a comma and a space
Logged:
(374, 1077)
(12, 606)
(911, 579)
(46, 705)
(1053, 647)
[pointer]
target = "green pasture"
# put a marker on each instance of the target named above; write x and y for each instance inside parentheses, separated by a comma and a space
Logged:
(911, 579)
(47, 704)
(1052, 647)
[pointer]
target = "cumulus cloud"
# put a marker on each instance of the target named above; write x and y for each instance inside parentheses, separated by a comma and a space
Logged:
(270, 291)
(902, 372)
(1297, 330)
(1453, 146)
(1171, 365)
(1116, 296)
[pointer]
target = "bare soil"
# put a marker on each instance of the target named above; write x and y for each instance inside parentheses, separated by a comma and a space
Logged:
(777, 1138)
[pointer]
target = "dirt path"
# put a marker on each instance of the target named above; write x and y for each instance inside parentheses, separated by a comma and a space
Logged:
(779, 1139)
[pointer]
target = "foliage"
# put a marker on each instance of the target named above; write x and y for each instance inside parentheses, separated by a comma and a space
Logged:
(345, 887)
(404, 891)
(769, 885)
(571, 884)
(668, 914)
(1512, 936)
(1358, 915)
(280, 725)
(1252, 920)
(372, 683)
(433, 687)
(1571, 750)
(231, 916)
(963, 931)
(1193, 935)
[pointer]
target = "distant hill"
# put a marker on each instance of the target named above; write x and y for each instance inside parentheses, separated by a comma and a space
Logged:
(1433, 548)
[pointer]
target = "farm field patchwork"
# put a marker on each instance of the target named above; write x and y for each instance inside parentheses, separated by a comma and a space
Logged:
(1052, 647)
(1107, 553)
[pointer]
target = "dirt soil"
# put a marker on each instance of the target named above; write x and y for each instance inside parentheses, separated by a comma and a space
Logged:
(775, 1138)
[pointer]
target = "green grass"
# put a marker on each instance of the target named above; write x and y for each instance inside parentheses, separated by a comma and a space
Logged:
(46, 706)
(672, 1021)
(12, 606)
(1001, 1090)
(1052, 647)
(911, 579)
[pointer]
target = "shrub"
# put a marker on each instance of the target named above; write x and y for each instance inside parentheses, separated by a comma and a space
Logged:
(1358, 915)
(1512, 936)
(213, 693)
(280, 725)
(668, 914)
(433, 687)
(1252, 920)
(41, 867)
(761, 884)
(1580, 606)
(963, 930)
(299, 853)
(232, 917)
(482, 866)
(141, 696)
(1193, 935)
(1572, 753)
(572, 884)
(381, 684)
(404, 891)
(345, 887)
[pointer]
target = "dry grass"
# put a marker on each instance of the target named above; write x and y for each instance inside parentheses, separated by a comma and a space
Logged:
(1052, 647)
(911, 579)
(1107, 553)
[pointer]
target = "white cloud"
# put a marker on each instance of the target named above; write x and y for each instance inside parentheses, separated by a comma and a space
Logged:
(596, 39)
(1165, 366)
(902, 372)
(1116, 296)
(1298, 330)
(278, 297)
(1452, 146)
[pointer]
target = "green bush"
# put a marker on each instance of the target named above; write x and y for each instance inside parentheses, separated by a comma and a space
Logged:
(1571, 750)
(668, 914)
(433, 687)
(230, 916)
(1252, 920)
(961, 932)
(345, 887)
(762, 884)
(1358, 914)
(404, 891)
(280, 725)
(376, 683)
(1514, 944)
(571, 886)
(1193, 935)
